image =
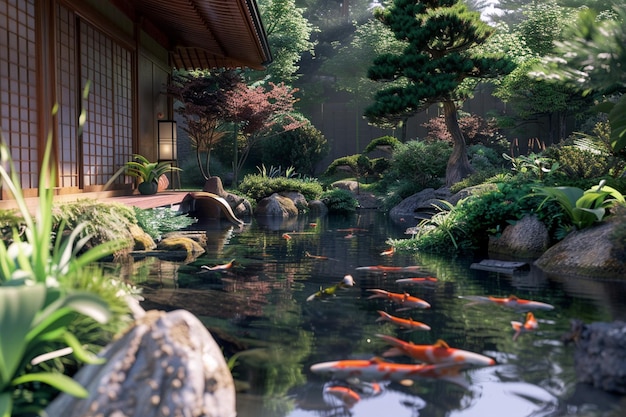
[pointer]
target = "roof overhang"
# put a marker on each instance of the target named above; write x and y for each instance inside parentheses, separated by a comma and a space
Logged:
(205, 34)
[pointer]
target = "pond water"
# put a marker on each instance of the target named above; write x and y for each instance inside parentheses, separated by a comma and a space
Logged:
(258, 312)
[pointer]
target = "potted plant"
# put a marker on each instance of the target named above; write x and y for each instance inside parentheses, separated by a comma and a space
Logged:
(148, 173)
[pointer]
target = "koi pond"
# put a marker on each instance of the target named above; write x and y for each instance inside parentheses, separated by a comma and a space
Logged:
(257, 310)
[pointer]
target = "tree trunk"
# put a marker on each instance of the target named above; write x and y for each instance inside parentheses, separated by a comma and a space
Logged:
(458, 165)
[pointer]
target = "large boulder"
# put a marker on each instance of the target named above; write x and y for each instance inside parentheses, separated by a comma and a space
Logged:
(527, 239)
(600, 354)
(418, 206)
(166, 364)
(276, 206)
(597, 251)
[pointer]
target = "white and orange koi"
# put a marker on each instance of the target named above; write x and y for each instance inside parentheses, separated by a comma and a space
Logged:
(346, 395)
(405, 300)
(386, 269)
(388, 252)
(528, 326)
(376, 369)
(221, 267)
(439, 353)
(511, 301)
(286, 236)
(417, 280)
(347, 281)
(407, 324)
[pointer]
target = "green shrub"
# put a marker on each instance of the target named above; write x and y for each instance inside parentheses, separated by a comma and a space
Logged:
(345, 161)
(388, 143)
(104, 222)
(480, 216)
(303, 148)
(339, 201)
(257, 187)
(424, 163)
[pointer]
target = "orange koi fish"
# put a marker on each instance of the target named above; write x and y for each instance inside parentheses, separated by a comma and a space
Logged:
(405, 300)
(408, 324)
(221, 267)
(378, 370)
(347, 281)
(417, 280)
(347, 396)
(528, 326)
(286, 236)
(439, 353)
(388, 252)
(385, 269)
(511, 301)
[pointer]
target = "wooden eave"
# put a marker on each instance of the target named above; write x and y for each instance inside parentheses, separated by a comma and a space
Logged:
(205, 34)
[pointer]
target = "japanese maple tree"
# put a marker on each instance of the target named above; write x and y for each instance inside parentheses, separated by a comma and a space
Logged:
(257, 111)
(203, 105)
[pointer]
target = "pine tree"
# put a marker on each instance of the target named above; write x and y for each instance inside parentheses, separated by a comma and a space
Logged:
(439, 36)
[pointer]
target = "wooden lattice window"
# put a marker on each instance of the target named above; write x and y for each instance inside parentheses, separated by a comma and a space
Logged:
(18, 78)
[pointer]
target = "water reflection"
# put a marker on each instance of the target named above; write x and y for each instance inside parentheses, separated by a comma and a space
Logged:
(258, 313)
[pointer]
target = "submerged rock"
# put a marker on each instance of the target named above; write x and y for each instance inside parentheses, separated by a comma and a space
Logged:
(600, 354)
(166, 364)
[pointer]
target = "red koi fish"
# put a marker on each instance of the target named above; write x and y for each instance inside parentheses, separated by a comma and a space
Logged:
(346, 282)
(347, 396)
(385, 269)
(408, 324)
(528, 326)
(417, 280)
(388, 252)
(439, 353)
(511, 301)
(405, 300)
(221, 267)
(378, 370)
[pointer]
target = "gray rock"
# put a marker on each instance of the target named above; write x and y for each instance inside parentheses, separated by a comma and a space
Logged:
(317, 208)
(166, 364)
(600, 354)
(593, 252)
(527, 239)
(276, 206)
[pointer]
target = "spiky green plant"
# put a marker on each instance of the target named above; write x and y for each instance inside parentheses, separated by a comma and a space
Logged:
(36, 307)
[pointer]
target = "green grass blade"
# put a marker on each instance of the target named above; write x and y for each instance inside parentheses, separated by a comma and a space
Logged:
(59, 381)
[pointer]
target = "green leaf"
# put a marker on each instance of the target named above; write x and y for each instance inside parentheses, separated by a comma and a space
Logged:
(59, 381)
(6, 404)
(617, 120)
(81, 353)
(18, 308)
(599, 212)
